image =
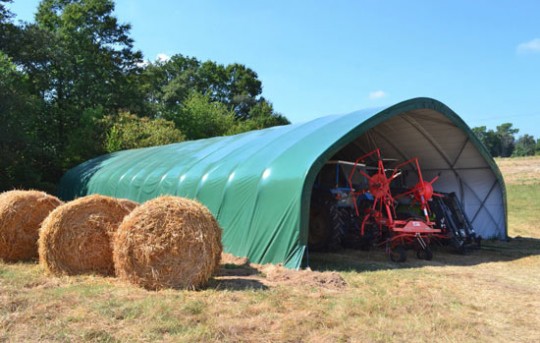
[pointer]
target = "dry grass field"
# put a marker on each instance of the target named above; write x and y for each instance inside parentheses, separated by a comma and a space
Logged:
(489, 295)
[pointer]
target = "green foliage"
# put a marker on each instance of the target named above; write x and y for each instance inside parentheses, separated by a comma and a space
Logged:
(506, 133)
(525, 146)
(81, 140)
(127, 131)
(172, 82)
(17, 104)
(501, 142)
(488, 138)
(200, 117)
(5, 14)
(80, 64)
(69, 80)
(7, 29)
(261, 116)
(93, 55)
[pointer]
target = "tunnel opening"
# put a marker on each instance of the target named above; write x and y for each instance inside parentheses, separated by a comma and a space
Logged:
(346, 214)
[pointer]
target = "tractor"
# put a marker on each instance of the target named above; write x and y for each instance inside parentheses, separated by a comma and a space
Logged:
(339, 193)
(380, 222)
(362, 204)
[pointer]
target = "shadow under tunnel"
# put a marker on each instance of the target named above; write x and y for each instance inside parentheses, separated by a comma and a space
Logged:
(349, 260)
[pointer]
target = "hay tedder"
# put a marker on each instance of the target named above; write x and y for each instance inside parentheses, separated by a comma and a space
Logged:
(380, 220)
(374, 208)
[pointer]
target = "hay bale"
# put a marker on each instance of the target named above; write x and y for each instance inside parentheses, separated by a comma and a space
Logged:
(128, 204)
(76, 237)
(21, 214)
(168, 242)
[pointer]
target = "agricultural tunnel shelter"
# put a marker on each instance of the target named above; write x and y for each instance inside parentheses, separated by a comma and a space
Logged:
(258, 184)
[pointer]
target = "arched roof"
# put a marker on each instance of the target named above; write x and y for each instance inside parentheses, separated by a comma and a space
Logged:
(258, 184)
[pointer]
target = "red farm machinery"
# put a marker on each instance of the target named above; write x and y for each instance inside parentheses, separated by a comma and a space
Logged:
(363, 204)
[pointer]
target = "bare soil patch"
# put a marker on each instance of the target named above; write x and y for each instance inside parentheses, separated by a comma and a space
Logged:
(239, 273)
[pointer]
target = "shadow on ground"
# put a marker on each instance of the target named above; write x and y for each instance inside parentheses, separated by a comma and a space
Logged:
(237, 277)
(376, 259)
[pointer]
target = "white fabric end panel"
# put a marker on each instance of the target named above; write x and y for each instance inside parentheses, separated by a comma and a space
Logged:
(447, 182)
(471, 158)
(483, 202)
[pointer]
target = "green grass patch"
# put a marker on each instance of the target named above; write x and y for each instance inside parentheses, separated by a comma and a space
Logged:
(524, 210)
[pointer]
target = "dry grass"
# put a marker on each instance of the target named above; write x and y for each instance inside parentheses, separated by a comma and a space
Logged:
(520, 170)
(522, 178)
(491, 295)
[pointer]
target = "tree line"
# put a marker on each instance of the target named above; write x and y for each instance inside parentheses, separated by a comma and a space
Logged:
(73, 86)
(502, 141)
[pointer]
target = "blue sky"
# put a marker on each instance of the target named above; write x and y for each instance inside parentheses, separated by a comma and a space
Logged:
(481, 58)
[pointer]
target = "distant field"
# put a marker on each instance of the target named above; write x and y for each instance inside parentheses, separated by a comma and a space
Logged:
(522, 178)
(490, 295)
(520, 170)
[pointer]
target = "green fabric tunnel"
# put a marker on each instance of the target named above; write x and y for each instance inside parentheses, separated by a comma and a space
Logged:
(258, 184)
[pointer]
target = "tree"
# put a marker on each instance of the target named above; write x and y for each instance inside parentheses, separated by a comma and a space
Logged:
(200, 117)
(93, 53)
(480, 133)
(81, 62)
(505, 133)
(201, 97)
(170, 83)
(490, 140)
(70, 78)
(4, 12)
(17, 162)
(525, 146)
(167, 84)
(500, 142)
(261, 116)
(243, 88)
(127, 131)
(6, 26)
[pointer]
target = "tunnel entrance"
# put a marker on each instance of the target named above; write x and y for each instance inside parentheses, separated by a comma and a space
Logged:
(364, 200)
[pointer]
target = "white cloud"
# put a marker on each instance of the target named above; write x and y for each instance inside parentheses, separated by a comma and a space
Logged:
(530, 46)
(377, 95)
(142, 64)
(162, 57)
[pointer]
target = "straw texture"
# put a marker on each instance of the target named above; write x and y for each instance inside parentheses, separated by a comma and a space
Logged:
(21, 214)
(76, 237)
(168, 242)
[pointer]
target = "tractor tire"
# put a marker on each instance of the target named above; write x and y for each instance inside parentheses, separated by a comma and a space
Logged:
(425, 254)
(371, 235)
(398, 254)
(319, 230)
(338, 227)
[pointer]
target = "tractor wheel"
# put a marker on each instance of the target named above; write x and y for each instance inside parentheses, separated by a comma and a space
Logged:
(371, 234)
(461, 249)
(318, 229)
(352, 238)
(398, 254)
(338, 226)
(425, 254)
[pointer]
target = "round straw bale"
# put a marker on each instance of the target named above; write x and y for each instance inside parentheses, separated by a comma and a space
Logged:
(21, 214)
(76, 237)
(128, 204)
(168, 242)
